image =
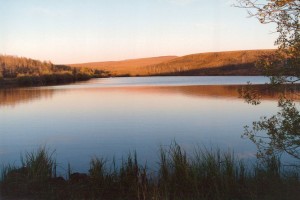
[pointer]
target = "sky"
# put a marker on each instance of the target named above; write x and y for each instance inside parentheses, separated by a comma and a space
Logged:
(78, 31)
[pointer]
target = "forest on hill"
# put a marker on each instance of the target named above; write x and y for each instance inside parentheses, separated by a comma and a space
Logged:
(22, 71)
(230, 63)
(202, 64)
(130, 67)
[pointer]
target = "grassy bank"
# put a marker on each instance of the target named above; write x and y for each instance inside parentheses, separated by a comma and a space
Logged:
(206, 174)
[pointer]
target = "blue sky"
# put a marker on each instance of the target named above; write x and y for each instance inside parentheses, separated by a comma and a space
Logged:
(74, 31)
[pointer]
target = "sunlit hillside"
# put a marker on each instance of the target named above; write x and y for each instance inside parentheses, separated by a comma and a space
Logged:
(125, 67)
(215, 63)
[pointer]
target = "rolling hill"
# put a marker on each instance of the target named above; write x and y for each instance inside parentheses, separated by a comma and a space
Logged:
(125, 67)
(214, 63)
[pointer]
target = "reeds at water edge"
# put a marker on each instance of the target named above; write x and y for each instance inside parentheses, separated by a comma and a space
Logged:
(207, 173)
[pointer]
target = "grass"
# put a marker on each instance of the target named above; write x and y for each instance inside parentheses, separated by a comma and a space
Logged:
(205, 174)
(32, 177)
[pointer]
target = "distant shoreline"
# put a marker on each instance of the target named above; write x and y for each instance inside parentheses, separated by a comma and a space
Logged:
(18, 71)
(44, 80)
(36, 81)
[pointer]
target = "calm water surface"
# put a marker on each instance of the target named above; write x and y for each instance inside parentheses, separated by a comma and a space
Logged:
(113, 116)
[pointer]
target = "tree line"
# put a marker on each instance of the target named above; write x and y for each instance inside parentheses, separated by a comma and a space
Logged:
(25, 71)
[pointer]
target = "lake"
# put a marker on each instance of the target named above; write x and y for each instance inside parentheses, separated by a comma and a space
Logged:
(113, 116)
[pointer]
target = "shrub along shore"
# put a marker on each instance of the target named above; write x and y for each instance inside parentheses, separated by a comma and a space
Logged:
(206, 174)
(46, 79)
(50, 78)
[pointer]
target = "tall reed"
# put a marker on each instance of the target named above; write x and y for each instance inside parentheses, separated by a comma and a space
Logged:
(202, 174)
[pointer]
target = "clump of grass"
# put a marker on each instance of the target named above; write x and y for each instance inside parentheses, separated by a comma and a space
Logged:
(175, 178)
(97, 168)
(32, 177)
(40, 165)
(205, 174)
(132, 178)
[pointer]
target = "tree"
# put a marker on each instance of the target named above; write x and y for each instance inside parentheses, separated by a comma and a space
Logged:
(281, 132)
(284, 66)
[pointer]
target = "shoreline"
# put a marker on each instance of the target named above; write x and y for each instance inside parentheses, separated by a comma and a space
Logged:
(44, 80)
(51, 80)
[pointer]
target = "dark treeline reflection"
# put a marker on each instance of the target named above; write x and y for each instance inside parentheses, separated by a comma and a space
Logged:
(14, 96)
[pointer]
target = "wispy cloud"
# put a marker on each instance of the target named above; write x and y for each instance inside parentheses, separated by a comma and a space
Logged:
(41, 11)
(47, 12)
(214, 27)
(182, 2)
(231, 2)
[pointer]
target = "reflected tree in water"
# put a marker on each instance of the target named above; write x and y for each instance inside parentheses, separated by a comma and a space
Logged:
(279, 133)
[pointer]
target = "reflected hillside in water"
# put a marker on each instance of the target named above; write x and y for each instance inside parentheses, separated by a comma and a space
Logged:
(202, 91)
(231, 91)
(13, 97)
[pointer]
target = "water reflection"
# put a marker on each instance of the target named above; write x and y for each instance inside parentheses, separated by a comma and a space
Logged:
(215, 91)
(12, 97)
(80, 122)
